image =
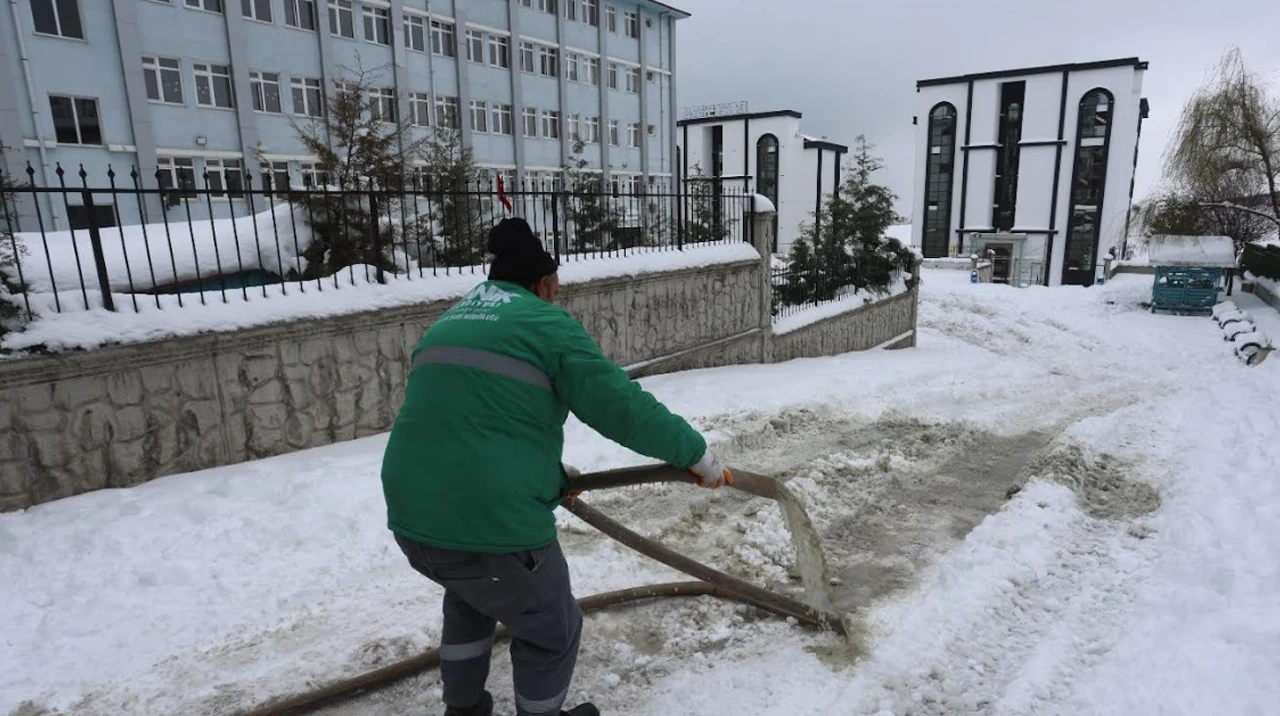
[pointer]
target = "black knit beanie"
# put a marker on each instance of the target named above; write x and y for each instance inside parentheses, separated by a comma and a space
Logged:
(518, 255)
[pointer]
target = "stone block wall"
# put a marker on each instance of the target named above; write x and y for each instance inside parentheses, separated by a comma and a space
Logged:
(860, 329)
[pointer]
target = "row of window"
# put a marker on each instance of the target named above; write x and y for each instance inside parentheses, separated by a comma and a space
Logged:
(590, 14)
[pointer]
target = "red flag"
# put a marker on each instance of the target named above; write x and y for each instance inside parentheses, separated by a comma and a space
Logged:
(502, 195)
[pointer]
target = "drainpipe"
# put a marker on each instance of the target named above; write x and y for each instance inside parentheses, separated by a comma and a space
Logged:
(54, 214)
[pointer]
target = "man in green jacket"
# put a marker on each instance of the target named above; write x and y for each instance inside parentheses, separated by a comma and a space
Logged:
(472, 471)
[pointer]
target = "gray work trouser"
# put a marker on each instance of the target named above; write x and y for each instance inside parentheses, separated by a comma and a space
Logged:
(530, 593)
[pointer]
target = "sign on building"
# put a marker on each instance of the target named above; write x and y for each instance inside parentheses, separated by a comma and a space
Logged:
(715, 110)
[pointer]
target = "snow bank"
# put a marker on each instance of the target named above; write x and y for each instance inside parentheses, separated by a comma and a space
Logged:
(352, 290)
(1169, 250)
(149, 255)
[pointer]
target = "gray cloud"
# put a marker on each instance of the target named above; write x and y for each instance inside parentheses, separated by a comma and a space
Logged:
(851, 67)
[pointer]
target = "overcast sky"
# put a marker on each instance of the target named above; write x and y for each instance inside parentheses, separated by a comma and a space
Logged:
(851, 66)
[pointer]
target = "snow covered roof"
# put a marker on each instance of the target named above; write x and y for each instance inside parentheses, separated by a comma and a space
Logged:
(1210, 251)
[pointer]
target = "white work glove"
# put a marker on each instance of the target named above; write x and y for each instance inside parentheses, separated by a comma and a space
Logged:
(711, 472)
(570, 470)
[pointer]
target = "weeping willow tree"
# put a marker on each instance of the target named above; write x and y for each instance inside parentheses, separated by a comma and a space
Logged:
(1222, 167)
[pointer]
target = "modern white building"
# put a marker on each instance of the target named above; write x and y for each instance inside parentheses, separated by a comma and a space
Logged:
(1033, 167)
(765, 152)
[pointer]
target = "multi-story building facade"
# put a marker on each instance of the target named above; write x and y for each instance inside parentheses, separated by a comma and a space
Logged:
(765, 152)
(1034, 166)
(194, 86)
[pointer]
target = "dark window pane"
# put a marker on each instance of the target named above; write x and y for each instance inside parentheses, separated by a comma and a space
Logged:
(64, 120)
(153, 86)
(90, 128)
(42, 14)
(69, 18)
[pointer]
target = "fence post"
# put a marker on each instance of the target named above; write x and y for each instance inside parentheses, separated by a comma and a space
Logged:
(99, 259)
(555, 222)
(375, 237)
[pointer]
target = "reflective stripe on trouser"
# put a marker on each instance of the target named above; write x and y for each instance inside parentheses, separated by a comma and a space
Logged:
(531, 594)
(479, 359)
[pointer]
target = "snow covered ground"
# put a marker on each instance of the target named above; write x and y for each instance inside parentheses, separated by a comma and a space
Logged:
(1058, 503)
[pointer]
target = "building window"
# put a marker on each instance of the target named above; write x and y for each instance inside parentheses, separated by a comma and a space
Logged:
(615, 134)
(300, 14)
(526, 57)
(58, 17)
(547, 6)
(591, 71)
(502, 119)
(500, 52)
(177, 174)
(611, 18)
(75, 120)
(479, 116)
(550, 124)
(593, 130)
(1088, 182)
(224, 176)
(213, 86)
(575, 128)
(313, 176)
(766, 166)
(207, 5)
(382, 105)
(633, 80)
(632, 22)
(613, 76)
(448, 113)
(530, 117)
(475, 46)
(420, 107)
(415, 37)
(633, 135)
(342, 19)
(377, 25)
(443, 41)
(275, 175)
(308, 100)
(549, 58)
(939, 176)
(591, 12)
(265, 87)
(570, 9)
(163, 77)
(1009, 128)
(259, 10)
(571, 66)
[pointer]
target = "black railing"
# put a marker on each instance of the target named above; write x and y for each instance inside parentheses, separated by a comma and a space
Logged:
(127, 242)
(795, 290)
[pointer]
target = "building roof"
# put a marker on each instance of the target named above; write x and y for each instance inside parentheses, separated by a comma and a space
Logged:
(1042, 70)
(734, 117)
(683, 14)
(816, 143)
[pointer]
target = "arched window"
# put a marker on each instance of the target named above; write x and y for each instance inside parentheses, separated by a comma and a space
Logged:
(1088, 184)
(938, 176)
(767, 173)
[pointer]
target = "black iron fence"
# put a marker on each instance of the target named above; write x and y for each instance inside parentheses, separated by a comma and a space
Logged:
(796, 289)
(130, 242)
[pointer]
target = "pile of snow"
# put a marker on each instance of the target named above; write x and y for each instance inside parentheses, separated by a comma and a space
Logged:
(352, 290)
(1207, 251)
(848, 300)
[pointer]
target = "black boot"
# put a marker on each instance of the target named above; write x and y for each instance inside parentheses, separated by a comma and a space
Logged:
(587, 709)
(484, 708)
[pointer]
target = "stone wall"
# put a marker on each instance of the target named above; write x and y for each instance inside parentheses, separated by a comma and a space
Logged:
(863, 328)
(122, 415)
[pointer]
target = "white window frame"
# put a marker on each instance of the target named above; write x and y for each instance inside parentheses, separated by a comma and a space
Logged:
(219, 168)
(448, 112)
(204, 70)
(570, 10)
(300, 9)
(503, 120)
(475, 46)
(444, 39)
(75, 116)
(216, 7)
(612, 75)
(529, 122)
(311, 175)
(154, 65)
(571, 60)
(549, 61)
(58, 20)
(253, 7)
(377, 25)
(528, 58)
(547, 6)
(615, 136)
(500, 51)
(550, 124)
(575, 127)
(611, 18)
(593, 129)
(592, 71)
(633, 135)
(420, 109)
(479, 116)
(338, 11)
(415, 28)
(384, 105)
(591, 12)
(274, 170)
(258, 82)
(304, 87)
(631, 23)
(177, 169)
(633, 80)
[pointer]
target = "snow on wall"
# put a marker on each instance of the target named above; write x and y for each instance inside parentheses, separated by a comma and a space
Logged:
(1210, 251)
